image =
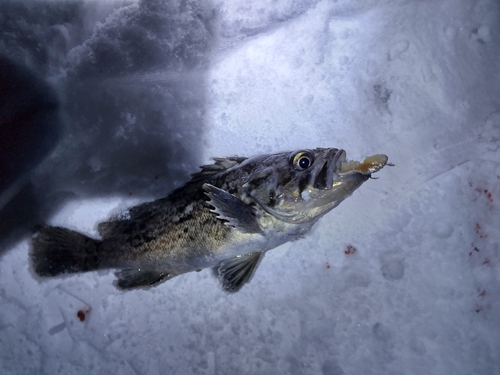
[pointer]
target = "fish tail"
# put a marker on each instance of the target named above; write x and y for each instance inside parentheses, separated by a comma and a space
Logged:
(57, 250)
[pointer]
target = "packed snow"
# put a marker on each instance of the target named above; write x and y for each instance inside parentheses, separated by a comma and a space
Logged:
(402, 278)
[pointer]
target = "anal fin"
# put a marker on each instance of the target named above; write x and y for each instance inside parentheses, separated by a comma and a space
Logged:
(235, 272)
(132, 278)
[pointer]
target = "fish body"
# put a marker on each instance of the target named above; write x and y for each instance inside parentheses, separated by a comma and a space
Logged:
(226, 217)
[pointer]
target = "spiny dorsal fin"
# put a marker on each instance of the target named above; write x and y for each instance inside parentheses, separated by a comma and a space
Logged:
(237, 213)
(120, 223)
(235, 272)
(220, 165)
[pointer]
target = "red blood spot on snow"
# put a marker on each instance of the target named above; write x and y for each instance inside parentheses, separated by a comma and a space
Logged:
(488, 195)
(350, 250)
(81, 314)
(327, 265)
(474, 250)
(479, 232)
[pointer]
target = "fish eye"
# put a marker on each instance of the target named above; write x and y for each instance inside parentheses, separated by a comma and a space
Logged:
(303, 160)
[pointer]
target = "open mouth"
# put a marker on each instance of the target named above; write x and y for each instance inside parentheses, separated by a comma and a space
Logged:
(328, 172)
(337, 165)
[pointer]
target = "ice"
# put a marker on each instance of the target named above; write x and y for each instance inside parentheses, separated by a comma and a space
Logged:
(402, 278)
(398, 49)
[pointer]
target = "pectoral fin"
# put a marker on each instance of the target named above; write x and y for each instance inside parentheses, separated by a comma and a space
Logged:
(237, 213)
(235, 272)
(132, 278)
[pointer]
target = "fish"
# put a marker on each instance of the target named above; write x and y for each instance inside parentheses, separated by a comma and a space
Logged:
(226, 218)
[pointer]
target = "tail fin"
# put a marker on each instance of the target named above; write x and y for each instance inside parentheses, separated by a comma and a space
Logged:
(57, 250)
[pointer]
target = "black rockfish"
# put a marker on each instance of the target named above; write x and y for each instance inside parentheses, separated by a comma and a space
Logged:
(227, 217)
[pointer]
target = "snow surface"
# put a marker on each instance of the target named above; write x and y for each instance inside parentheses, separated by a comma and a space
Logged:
(401, 278)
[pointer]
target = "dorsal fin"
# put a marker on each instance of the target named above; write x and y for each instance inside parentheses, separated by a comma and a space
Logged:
(120, 223)
(220, 165)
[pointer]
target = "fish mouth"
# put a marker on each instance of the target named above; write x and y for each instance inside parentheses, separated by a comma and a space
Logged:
(337, 169)
(331, 171)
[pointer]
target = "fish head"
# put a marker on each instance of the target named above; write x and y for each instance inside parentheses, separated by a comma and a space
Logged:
(302, 186)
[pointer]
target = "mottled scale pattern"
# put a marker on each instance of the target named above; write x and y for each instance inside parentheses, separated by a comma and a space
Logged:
(227, 216)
